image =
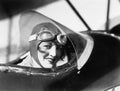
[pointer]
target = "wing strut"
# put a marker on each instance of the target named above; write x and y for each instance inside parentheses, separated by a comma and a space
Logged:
(9, 39)
(10, 17)
(107, 17)
(78, 14)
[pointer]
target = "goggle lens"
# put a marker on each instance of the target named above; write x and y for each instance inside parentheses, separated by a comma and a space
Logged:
(45, 36)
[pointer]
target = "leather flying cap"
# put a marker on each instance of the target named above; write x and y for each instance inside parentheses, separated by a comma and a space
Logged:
(44, 31)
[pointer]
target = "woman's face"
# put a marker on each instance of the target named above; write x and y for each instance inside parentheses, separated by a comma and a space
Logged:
(48, 52)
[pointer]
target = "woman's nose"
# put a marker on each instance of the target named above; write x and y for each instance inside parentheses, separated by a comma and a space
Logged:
(52, 51)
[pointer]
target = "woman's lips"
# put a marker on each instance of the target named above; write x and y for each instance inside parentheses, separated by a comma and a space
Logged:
(50, 59)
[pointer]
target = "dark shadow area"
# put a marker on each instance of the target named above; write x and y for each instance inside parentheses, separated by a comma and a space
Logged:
(9, 8)
(116, 30)
(104, 59)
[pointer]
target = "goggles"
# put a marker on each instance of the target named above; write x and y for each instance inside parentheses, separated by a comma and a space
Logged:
(48, 36)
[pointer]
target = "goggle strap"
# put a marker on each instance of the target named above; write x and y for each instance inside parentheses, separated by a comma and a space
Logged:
(32, 37)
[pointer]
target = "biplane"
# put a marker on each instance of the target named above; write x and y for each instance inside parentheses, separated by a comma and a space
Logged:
(96, 67)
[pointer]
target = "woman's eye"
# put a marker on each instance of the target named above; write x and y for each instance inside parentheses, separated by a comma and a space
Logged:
(47, 46)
